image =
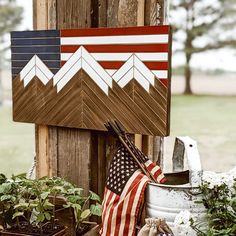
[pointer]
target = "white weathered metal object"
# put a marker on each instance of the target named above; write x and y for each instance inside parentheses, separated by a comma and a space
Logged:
(166, 201)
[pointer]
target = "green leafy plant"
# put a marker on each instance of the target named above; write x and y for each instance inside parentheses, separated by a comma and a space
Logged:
(26, 203)
(9, 197)
(219, 198)
(83, 206)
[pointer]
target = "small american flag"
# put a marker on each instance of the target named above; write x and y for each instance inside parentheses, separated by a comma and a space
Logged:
(124, 192)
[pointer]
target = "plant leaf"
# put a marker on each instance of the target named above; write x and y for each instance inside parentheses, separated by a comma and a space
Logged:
(3, 178)
(85, 214)
(17, 214)
(94, 196)
(96, 209)
(66, 206)
(40, 217)
(48, 205)
(44, 195)
(6, 197)
(47, 215)
(21, 205)
(5, 188)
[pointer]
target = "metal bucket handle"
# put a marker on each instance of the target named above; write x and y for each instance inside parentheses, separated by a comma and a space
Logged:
(189, 146)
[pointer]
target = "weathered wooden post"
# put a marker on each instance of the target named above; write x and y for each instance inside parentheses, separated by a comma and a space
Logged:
(82, 156)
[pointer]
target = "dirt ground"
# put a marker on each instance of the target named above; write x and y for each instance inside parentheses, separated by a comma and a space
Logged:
(207, 84)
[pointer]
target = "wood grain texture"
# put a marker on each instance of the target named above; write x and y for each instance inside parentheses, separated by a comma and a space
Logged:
(82, 104)
(73, 156)
(156, 14)
(77, 14)
(127, 13)
(45, 136)
(73, 14)
(112, 13)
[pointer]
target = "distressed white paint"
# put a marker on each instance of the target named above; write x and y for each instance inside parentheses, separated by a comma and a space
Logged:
(163, 201)
(166, 201)
(125, 39)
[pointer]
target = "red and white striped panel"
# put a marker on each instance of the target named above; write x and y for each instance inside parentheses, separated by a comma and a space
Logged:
(112, 47)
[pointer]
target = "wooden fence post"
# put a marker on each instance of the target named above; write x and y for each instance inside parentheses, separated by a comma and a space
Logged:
(62, 151)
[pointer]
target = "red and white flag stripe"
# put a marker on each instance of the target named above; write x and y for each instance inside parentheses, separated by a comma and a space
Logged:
(120, 212)
(112, 47)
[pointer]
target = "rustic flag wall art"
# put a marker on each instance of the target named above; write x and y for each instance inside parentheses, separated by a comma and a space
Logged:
(81, 78)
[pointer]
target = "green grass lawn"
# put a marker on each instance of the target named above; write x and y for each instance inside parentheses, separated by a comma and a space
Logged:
(210, 120)
(16, 144)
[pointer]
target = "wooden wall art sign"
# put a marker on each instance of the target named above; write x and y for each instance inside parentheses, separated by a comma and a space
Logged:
(82, 78)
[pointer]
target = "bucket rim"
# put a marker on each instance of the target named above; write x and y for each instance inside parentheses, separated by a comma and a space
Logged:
(179, 186)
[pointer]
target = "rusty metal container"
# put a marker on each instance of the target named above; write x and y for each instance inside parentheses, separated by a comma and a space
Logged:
(166, 201)
(181, 190)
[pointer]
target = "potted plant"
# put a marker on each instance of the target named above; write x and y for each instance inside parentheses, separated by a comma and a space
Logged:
(26, 208)
(83, 207)
(30, 207)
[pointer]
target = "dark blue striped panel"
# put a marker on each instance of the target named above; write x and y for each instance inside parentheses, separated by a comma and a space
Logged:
(35, 34)
(50, 64)
(36, 49)
(35, 42)
(44, 43)
(22, 56)
(15, 71)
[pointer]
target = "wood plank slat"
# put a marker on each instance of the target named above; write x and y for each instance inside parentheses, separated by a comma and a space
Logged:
(22, 63)
(143, 30)
(34, 42)
(35, 34)
(158, 47)
(36, 49)
(45, 56)
(16, 71)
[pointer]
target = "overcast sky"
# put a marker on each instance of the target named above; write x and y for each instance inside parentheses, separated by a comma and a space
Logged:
(221, 59)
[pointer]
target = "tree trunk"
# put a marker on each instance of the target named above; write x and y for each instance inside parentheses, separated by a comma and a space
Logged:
(188, 74)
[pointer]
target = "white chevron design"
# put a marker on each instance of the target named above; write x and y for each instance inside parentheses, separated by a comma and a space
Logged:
(35, 67)
(82, 59)
(134, 68)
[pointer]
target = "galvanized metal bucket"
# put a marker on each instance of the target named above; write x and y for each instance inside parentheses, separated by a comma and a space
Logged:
(181, 190)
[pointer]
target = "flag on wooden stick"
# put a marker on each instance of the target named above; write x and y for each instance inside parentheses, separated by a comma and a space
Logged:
(124, 191)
